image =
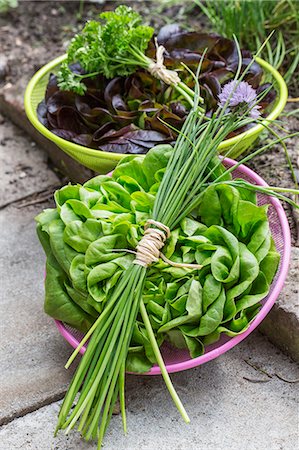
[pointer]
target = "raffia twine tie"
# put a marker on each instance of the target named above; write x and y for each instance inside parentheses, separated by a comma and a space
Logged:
(158, 70)
(148, 248)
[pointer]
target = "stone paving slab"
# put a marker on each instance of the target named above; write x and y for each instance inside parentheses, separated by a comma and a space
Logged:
(32, 353)
(12, 106)
(23, 165)
(226, 410)
(282, 323)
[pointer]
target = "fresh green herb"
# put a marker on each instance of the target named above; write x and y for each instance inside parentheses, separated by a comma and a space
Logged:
(115, 46)
(237, 256)
(129, 112)
(240, 258)
(69, 80)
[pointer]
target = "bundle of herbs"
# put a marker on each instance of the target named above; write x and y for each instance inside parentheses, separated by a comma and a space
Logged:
(111, 94)
(169, 248)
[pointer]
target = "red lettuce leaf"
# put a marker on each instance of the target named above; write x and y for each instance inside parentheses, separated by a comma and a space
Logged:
(127, 114)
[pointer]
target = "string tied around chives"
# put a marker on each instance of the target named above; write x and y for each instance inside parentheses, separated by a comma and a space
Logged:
(158, 70)
(149, 247)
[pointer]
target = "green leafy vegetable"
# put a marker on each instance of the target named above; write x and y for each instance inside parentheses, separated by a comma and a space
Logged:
(233, 238)
(129, 114)
(143, 301)
(114, 46)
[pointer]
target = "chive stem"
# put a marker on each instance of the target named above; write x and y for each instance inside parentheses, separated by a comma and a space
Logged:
(161, 364)
(122, 401)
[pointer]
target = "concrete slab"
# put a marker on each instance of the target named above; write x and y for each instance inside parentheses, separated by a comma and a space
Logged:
(226, 411)
(23, 165)
(30, 36)
(282, 323)
(12, 106)
(32, 353)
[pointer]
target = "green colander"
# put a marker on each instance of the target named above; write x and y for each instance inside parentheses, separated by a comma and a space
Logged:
(103, 162)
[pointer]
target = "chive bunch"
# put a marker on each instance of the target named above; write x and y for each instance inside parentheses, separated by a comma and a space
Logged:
(101, 373)
(100, 377)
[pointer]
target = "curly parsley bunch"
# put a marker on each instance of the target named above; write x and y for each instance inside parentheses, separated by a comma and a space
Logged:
(114, 46)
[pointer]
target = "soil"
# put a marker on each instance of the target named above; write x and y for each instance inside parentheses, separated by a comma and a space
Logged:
(36, 32)
(273, 167)
(51, 24)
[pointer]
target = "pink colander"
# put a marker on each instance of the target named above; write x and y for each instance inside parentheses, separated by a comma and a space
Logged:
(179, 359)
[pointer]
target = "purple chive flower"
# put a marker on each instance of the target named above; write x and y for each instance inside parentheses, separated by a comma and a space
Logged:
(242, 95)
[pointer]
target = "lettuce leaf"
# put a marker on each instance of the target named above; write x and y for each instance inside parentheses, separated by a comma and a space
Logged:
(87, 235)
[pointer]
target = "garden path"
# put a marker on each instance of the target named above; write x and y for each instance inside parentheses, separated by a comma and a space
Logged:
(226, 409)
